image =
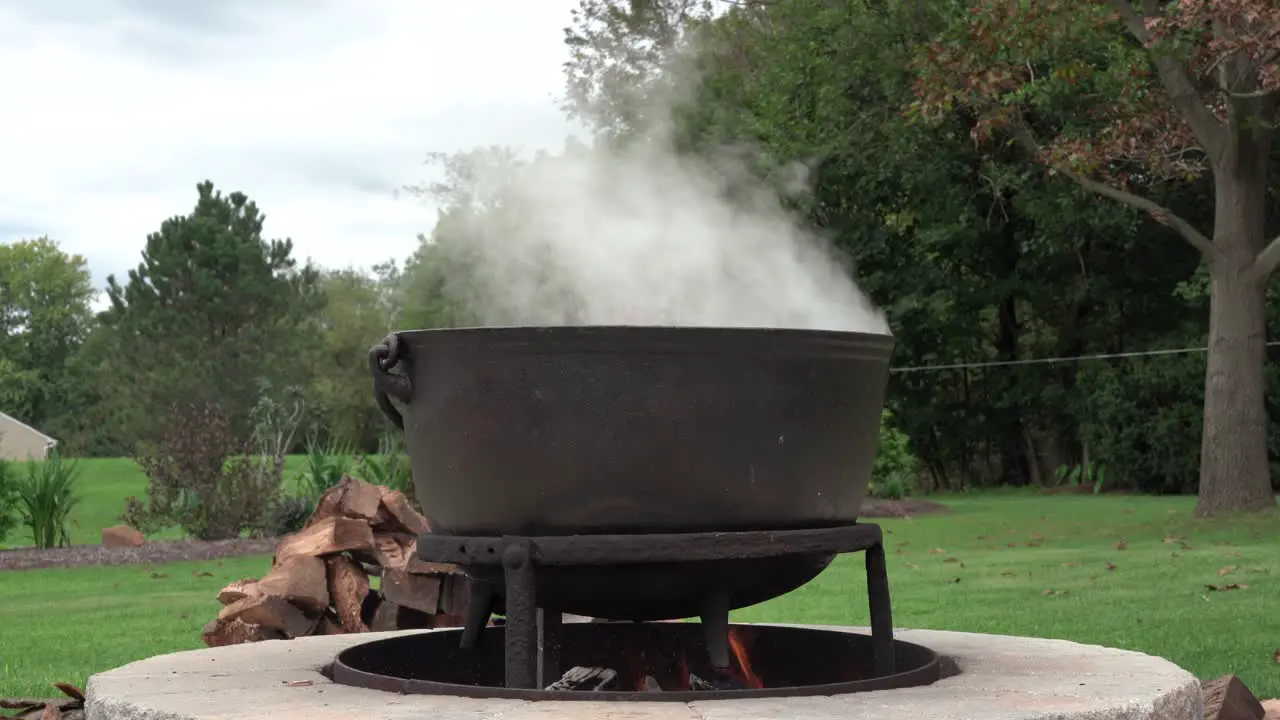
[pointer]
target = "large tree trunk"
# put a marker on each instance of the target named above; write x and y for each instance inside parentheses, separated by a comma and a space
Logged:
(1234, 469)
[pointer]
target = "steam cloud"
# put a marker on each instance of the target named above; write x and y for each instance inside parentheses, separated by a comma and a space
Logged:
(642, 236)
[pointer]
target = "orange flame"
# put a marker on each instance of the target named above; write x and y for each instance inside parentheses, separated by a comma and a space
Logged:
(739, 649)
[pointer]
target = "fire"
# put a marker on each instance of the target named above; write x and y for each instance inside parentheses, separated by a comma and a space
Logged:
(739, 650)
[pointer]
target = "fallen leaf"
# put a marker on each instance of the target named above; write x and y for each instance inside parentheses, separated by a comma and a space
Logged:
(1128, 511)
(1227, 570)
(1185, 546)
(1012, 545)
(962, 566)
(981, 537)
(899, 551)
(913, 566)
(954, 580)
(70, 691)
(1172, 539)
(1111, 566)
(1008, 573)
(903, 543)
(1037, 536)
(1276, 656)
(202, 573)
(1051, 591)
(1230, 586)
(299, 683)
(1174, 555)
(1070, 563)
(159, 575)
(952, 559)
(1121, 545)
(938, 551)
(1035, 543)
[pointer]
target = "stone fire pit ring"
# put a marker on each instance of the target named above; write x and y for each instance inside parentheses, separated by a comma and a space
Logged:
(1001, 678)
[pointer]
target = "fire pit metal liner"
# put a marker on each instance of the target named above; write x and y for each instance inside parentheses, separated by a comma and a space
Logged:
(531, 635)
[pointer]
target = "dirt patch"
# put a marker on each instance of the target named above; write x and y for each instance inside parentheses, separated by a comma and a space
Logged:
(159, 551)
(876, 508)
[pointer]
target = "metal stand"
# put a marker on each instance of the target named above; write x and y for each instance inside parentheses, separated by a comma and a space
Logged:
(532, 635)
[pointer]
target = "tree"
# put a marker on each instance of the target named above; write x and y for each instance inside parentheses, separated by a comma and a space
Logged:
(211, 313)
(1167, 91)
(359, 312)
(45, 316)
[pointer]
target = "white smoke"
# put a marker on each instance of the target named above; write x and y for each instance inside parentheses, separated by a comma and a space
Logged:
(640, 235)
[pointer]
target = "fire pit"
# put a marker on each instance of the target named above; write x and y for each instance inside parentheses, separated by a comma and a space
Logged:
(535, 656)
(638, 475)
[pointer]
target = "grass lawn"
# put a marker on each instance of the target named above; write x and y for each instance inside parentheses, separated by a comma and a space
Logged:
(1027, 565)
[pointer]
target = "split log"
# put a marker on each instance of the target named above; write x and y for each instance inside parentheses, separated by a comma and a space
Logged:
(420, 592)
(300, 579)
(327, 537)
(271, 612)
(397, 515)
(360, 499)
(348, 586)
(217, 633)
(386, 616)
(394, 550)
(238, 590)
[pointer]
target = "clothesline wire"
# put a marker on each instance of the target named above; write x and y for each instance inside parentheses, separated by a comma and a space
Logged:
(1056, 360)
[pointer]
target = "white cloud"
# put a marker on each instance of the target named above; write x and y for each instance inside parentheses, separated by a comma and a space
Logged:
(317, 109)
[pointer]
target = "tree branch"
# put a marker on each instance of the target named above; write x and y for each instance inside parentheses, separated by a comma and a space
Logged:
(1160, 213)
(1268, 259)
(1177, 81)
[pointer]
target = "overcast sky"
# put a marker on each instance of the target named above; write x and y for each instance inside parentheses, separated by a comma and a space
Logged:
(319, 110)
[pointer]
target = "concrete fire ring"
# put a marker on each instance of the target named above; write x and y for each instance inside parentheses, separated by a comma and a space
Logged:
(1001, 678)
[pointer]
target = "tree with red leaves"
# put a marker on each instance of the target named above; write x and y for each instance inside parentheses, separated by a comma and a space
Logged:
(1163, 90)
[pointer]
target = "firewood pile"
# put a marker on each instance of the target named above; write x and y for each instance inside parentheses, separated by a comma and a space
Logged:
(320, 577)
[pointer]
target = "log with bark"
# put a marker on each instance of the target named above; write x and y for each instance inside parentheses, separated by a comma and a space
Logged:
(319, 582)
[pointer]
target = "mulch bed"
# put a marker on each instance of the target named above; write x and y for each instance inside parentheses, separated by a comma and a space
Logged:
(164, 551)
(158, 551)
(875, 508)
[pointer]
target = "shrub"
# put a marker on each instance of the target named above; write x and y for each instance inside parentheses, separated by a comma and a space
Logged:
(390, 467)
(205, 479)
(8, 498)
(323, 468)
(46, 497)
(289, 515)
(896, 469)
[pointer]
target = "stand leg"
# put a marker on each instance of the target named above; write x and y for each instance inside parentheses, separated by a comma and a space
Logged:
(549, 625)
(479, 609)
(881, 614)
(715, 623)
(521, 628)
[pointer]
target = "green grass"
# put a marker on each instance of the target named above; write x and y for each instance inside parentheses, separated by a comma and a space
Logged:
(62, 625)
(1038, 566)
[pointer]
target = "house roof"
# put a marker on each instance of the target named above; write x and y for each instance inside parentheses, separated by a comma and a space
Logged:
(16, 421)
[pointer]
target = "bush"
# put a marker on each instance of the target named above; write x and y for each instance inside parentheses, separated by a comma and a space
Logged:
(8, 499)
(46, 497)
(289, 515)
(323, 468)
(896, 469)
(205, 479)
(390, 467)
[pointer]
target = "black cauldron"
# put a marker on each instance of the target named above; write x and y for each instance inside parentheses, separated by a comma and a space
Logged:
(571, 430)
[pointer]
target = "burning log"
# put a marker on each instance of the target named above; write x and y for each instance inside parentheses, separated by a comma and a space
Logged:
(584, 678)
(319, 579)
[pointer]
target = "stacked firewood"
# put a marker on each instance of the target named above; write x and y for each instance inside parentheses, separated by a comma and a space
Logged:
(319, 582)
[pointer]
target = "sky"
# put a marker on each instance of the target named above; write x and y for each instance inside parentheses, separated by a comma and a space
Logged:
(319, 110)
